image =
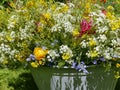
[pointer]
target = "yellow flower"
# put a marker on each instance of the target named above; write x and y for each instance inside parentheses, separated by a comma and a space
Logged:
(87, 8)
(43, 21)
(47, 16)
(39, 28)
(64, 8)
(65, 56)
(92, 42)
(118, 65)
(87, 5)
(31, 3)
(93, 54)
(110, 16)
(39, 53)
(43, 3)
(34, 64)
(75, 32)
(110, 8)
(21, 56)
(114, 25)
(53, 7)
(40, 62)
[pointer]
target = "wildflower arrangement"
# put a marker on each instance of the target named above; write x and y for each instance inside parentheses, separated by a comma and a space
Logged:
(55, 34)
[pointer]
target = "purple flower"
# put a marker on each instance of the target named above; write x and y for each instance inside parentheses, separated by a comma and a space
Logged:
(80, 67)
(74, 64)
(95, 62)
(102, 59)
(31, 57)
(28, 59)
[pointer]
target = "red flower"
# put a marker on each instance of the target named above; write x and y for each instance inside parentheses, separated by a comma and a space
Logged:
(104, 1)
(85, 26)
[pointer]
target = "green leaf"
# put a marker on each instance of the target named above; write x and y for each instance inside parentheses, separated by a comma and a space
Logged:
(61, 64)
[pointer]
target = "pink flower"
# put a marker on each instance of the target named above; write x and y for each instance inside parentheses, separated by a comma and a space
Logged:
(85, 26)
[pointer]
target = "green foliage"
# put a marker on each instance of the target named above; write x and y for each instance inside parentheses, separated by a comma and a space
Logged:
(16, 79)
(23, 82)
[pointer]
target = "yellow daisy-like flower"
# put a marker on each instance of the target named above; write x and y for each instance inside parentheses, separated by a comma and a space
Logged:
(92, 42)
(118, 65)
(39, 53)
(65, 56)
(93, 54)
(34, 64)
(47, 16)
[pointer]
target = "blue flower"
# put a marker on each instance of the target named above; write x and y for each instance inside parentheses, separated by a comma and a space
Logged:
(80, 67)
(74, 65)
(94, 62)
(102, 59)
(31, 57)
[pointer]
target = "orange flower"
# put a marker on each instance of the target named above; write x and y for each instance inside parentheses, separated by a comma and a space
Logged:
(39, 53)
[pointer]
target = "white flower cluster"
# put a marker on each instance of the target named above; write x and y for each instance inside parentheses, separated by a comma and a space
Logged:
(5, 50)
(64, 21)
(25, 33)
(12, 21)
(65, 49)
(52, 54)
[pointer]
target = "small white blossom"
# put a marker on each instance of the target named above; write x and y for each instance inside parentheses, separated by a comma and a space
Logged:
(102, 38)
(83, 44)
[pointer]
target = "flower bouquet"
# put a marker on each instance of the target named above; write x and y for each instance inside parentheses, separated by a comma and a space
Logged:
(75, 35)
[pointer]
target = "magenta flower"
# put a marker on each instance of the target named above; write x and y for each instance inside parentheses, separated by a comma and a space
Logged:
(85, 26)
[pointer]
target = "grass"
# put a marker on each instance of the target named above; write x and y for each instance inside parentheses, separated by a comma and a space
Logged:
(17, 79)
